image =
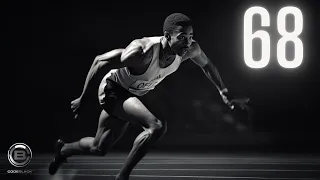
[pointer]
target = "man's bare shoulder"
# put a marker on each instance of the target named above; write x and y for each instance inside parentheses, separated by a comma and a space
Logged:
(193, 51)
(145, 43)
(143, 50)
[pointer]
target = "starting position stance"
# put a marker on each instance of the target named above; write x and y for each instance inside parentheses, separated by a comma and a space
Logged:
(130, 73)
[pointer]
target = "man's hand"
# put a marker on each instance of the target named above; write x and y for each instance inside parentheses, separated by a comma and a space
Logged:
(240, 102)
(232, 102)
(223, 94)
(75, 106)
(241, 111)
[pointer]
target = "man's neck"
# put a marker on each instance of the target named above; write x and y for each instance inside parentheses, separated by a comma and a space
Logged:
(167, 52)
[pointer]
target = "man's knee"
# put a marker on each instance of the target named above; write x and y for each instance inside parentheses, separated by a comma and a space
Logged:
(160, 128)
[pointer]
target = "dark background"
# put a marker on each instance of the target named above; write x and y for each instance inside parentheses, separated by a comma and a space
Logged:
(54, 44)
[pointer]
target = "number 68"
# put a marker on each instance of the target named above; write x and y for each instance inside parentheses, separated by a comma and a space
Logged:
(265, 38)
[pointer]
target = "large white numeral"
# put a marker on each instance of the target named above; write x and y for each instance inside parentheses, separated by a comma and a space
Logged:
(263, 35)
(265, 38)
(290, 36)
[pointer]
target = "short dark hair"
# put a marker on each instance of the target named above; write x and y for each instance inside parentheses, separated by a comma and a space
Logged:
(174, 20)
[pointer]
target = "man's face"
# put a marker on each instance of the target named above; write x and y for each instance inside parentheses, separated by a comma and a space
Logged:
(181, 40)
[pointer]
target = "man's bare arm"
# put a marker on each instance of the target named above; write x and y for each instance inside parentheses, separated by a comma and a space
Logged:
(200, 58)
(98, 62)
(115, 59)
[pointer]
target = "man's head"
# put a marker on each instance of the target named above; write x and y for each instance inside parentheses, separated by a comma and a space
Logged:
(177, 29)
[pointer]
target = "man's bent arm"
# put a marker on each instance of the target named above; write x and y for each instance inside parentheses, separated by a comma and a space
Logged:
(99, 62)
(115, 59)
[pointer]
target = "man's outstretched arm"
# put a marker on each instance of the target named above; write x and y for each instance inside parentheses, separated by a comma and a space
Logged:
(213, 74)
(200, 58)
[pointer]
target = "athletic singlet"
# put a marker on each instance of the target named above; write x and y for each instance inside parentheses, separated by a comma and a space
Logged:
(142, 84)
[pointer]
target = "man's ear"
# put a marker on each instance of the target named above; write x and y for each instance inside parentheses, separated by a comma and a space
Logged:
(167, 35)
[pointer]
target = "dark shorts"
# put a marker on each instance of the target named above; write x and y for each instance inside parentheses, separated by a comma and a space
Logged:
(114, 93)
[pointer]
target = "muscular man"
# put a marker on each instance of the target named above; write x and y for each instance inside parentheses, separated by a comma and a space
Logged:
(130, 73)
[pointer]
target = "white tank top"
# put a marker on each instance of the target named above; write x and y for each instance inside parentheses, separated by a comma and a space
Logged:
(142, 84)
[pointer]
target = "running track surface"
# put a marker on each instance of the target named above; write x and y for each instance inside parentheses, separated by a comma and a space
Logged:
(174, 166)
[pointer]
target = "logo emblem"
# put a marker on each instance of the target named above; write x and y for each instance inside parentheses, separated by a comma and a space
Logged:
(19, 154)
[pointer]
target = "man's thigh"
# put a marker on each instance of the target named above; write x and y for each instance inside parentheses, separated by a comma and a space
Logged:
(122, 104)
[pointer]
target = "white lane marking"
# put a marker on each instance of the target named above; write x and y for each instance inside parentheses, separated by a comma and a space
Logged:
(263, 170)
(199, 177)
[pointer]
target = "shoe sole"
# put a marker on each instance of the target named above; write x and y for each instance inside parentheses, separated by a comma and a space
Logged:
(58, 146)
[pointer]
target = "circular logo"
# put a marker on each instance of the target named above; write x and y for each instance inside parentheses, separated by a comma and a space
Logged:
(19, 154)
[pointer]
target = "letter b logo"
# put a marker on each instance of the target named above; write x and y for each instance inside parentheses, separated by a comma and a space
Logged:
(19, 155)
